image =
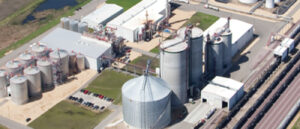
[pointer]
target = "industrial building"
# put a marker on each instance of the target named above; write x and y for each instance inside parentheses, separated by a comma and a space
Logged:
(70, 41)
(131, 24)
(102, 15)
(146, 103)
(242, 32)
(222, 92)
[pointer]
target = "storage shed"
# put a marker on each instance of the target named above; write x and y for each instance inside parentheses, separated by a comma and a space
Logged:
(68, 40)
(222, 92)
(281, 52)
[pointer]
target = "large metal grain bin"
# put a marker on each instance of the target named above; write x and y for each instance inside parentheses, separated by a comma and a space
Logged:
(215, 56)
(174, 69)
(45, 67)
(19, 89)
(27, 59)
(39, 50)
(65, 22)
(80, 60)
(3, 83)
(227, 39)
(14, 67)
(33, 76)
(61, 58)
(146, 103)
(73, 25)
(82, 27)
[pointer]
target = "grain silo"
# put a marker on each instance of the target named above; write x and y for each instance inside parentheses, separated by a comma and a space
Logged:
(14, 67)
(39, 50)
(27, 59)
(269, 4)
(73, 25)
(80, 60)
(61, 59)
(146, 103)
(65, 22)
(19, 89)
(227, 39)
(3, 83)
(72, 63)
(34, 83)
(82, 27)
(214, 57)
(174, 68)
(248, 1)
(45, 67)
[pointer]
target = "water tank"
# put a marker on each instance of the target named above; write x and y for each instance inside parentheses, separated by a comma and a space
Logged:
(19, 89)
(146, 103)
(65, 22)
(248, 1)
(45, 67)
(39, 50)
(3, 83)
(174, 68)
(73, 25)
(34, 83)
(27, 59)
(61, 58)
(215, 56)
(80, 62)
(277, 1)
(82, 27)
(269, 4)
(227, 39)
(14, 67)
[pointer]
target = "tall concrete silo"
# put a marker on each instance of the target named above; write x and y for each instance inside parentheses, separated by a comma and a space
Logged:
(19, 89)
(269, 4)
(80, 60)
(34, 83)
(82, 27)
(14, 67)
(73, 25)
(45, 67)
(39, 50)
(65, 22)
(61, 59)
(3, 83)
(146, 103)
(174, 69)
(214, 57)
(27, 59)
(227, 39)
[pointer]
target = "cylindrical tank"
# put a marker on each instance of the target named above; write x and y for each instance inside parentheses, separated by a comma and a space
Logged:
(73, 25)
(14, 67)
(72, 63)
(269, 4)
(65, 22)
(80, 62)
(276, 1)
(248, 1)
(174, 69)
(19, 89)
(215, 56)
(146, 102)
(45, 67)
(61, 58)
(39, 50)
(27, 59)
(34, 83)
(82, 27)
(227, 39)
(3, 83)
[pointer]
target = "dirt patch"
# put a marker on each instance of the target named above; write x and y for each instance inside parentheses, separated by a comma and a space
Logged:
(7, 7)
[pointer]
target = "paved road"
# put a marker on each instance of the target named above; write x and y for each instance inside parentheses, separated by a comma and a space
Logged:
(116, 111)
(12, 124)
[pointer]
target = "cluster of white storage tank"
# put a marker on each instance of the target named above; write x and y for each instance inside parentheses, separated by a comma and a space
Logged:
(35, 72)
(74, 25)
(268, 3)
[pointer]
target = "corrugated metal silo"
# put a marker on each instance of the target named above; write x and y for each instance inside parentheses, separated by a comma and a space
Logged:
(80, 62)
(72, 63)
(39, 50)
(174, 69)
(227, 39)
(61, 57)
(13, 67)
(19, 89)
(27, 59)
(45, 67)
(73, 25)
(82, 27)
(65, 22)
(34, 83)
(215, 57)
(146, 102)
(3, 84)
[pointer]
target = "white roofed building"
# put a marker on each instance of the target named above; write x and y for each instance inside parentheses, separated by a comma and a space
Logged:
(222, 92)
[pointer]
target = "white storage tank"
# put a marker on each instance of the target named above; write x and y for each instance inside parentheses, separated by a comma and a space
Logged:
(174, 69)
(269, 4)
(3, 83)
(80, 60)
(73, 25)
(215, 56)
(82, 27)
(34, 83)
(146, 103)
(45, 67)
(14, 67)
(248, 1)
(227, 39)
(39, 50)
(19, 89)
(27, 59)
(61, 58)
(276, 1)
(65, 22)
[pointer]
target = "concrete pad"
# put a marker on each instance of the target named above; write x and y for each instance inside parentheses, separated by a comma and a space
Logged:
(33, 110)
(179, 18)
(198, 113)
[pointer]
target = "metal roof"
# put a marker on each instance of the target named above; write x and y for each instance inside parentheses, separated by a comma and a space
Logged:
(145, 89)
(287, 42)
(279, 50)
(73, 41)
(174, 45)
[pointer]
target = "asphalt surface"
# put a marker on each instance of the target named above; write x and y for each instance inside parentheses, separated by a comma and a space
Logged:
(12, 124)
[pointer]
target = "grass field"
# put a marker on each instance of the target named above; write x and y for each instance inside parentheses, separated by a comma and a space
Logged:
(126, 4)
(109, 84)
(142, 61)
(3, 127)
(297, 124)
(155, 50)
(66, 115)
(202, 20)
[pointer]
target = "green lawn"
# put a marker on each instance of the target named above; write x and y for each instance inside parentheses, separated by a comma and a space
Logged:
(126, 4)
(109, 84)
(202, 20)
(297, 124)
(66, 115)
(142, 61)
(155, 50)
(3, 127)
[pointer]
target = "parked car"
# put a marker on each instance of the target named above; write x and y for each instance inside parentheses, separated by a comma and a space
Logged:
(102, 107)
